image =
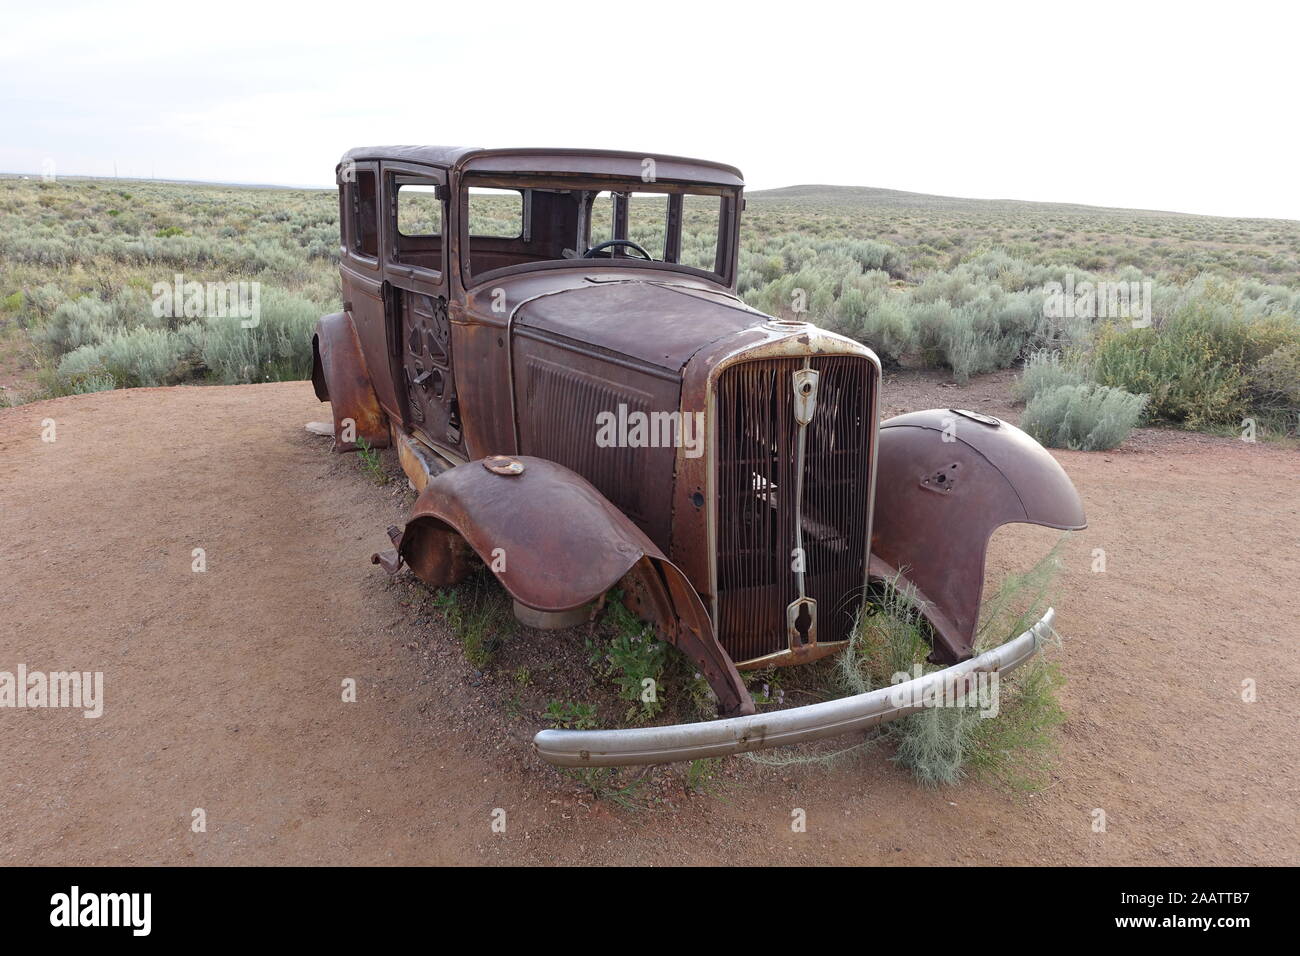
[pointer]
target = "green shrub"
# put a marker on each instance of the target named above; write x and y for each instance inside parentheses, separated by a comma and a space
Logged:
(1082, 417)
(124, 339)
(136, 357)
(888, 329)
(890, 636)
(45, 299)
(935, 744)
(1275, 382)
(278, 348)
(958, 336)
(1195, 364)
(872, 255)
(83, 385)
(967, 349)
(89, 320)
(83, 321)
(1177, 367)
(1018, 747)
(1044, 370)
(940, 745)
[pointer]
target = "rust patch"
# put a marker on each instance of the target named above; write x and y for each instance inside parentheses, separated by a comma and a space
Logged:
(341, 377)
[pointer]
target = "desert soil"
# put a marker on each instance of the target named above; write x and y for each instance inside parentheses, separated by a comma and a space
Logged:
(223, 688)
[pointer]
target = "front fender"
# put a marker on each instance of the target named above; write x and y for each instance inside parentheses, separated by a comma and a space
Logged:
(556, 543)
(946, 480)
(340, 376)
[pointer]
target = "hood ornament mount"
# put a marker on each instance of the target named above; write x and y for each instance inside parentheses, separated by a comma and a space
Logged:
(785, 325)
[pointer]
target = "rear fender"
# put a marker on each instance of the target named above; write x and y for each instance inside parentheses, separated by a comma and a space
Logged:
(340, 376)
(556, 543)
(946, 480)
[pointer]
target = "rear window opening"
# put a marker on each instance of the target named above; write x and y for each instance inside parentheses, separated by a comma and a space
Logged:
(365, 215)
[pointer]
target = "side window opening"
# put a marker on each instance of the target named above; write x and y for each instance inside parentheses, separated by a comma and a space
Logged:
(365, 215)
(420, 217)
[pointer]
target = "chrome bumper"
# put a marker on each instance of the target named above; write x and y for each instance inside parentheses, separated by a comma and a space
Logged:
(717, 738)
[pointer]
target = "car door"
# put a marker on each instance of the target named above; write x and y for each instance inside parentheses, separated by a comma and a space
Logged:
(416, 269)
(362, 275)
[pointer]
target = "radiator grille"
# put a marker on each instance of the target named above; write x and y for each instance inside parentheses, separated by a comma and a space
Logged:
(756, 456)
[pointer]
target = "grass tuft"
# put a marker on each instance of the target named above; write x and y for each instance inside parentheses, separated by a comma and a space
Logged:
(479, 613)
(942, 745)
(371, 462)
(633, 659)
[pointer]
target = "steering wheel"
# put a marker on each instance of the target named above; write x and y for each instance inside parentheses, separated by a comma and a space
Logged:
(591, 253)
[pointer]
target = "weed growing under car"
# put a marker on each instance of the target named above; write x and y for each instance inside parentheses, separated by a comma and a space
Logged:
(944, 744)
(478, 612)
(633, 659)
(371, 463)
(938, 745)
(570, 715)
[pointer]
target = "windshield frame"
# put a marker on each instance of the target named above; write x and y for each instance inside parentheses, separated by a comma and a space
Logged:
(731, 202)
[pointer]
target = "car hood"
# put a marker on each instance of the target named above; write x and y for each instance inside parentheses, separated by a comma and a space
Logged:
(658, 321)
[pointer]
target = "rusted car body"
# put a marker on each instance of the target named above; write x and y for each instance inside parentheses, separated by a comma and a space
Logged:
(580, 412)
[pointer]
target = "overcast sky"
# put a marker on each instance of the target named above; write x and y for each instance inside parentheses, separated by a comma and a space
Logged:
(1186, 106)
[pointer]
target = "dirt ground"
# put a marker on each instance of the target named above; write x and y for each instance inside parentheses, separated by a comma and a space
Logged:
(223, 688)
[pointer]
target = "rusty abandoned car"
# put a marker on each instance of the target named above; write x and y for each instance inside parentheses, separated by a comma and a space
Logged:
(583, 402)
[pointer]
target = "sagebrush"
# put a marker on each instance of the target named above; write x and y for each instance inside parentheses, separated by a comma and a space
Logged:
(925, 281)
(1083, 417)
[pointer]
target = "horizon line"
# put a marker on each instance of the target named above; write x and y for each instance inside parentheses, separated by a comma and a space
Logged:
(751, 192)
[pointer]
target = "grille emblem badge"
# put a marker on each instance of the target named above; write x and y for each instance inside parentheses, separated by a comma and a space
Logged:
(805, 395)
(801, 622)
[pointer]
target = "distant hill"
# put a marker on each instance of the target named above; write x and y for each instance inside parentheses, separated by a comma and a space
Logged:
(814, 195)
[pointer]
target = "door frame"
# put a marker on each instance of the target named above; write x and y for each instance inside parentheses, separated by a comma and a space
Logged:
(403, 278)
